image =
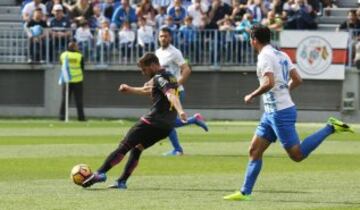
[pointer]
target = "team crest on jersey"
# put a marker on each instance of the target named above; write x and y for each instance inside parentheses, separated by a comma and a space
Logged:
(162, 81)
(173, 79)
(313, 55)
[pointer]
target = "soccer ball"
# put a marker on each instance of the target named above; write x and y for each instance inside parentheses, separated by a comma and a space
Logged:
(80, 173)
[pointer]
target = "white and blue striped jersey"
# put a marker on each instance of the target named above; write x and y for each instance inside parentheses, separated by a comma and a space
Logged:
(279, 63)
(171, 59)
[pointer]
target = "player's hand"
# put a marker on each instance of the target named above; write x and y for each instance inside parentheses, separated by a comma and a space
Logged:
(124, 88)
(248, 99)
(183, 117)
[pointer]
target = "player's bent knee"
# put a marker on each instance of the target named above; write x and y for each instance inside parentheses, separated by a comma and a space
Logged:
(140, 147)
(296, 157)
(124, 148)
(295, 153)
(255, 153)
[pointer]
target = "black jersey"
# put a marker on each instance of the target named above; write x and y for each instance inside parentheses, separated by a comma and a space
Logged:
(162, 113)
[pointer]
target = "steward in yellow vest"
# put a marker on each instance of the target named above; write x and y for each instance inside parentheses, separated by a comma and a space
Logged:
(76, 65)
(76, 68)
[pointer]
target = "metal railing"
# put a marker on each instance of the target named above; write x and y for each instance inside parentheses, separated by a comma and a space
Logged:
(207, 47)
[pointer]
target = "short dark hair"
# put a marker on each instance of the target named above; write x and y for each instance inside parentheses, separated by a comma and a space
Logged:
(352, 12)
(166, 29)
(261, 33)
(147, 59)
(38, 9)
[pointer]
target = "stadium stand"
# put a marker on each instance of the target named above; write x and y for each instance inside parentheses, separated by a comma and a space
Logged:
(11, 39)
(14, 48)
(332, 17)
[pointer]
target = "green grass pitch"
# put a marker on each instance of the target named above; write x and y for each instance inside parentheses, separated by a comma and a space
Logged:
(36, 157)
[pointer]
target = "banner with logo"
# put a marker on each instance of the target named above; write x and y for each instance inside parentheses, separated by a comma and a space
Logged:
(317, 54)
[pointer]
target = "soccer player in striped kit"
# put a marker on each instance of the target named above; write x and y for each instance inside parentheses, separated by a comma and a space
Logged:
(277, 76)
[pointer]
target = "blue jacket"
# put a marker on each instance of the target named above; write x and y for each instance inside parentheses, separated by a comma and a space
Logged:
(120, 16)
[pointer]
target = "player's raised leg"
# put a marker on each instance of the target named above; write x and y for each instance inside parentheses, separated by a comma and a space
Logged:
(196, 119)
(310, 143)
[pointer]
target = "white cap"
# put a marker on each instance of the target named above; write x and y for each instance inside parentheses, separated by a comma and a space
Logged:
(57, 7)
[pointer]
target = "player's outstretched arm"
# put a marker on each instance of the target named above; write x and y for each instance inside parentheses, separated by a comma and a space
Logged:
(295, 79)
(174, 100)
(145, 90)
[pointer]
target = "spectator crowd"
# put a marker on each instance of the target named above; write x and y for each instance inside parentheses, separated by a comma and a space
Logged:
(107, 24)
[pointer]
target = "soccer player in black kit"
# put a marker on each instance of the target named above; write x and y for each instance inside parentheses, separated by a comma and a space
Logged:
(152, 127)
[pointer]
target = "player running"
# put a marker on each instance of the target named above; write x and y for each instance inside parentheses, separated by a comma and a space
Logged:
(172, 60)
(277, 76)
(152, 127)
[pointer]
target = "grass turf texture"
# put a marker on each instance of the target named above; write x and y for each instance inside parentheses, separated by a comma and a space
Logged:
(36, 157)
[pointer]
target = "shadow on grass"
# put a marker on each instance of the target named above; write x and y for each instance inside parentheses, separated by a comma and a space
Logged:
(314, 202)
(193, 190)
(231, 190)
(162, 189)
(283, 191)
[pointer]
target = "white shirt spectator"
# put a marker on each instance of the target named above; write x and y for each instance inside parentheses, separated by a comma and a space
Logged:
(126, 36)
(145, 35)
(160, 20)
(171, 59)
(30, 8)
(196, 12)
(228, 2)
(101, 35)
(83, 34)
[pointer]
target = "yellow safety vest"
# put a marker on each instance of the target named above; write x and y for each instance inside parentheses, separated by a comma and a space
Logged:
(74, 64)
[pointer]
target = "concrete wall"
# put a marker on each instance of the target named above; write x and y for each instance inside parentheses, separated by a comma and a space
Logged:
(218, 94)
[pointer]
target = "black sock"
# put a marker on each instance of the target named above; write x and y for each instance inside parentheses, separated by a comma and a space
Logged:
(114, 158)
(131, 164)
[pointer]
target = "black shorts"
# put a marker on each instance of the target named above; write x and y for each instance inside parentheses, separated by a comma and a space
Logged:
(145, 135)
